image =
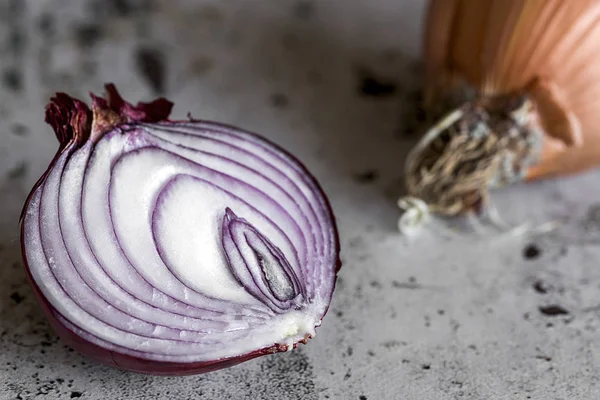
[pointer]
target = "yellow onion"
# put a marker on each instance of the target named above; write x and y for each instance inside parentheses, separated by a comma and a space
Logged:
(519, 82)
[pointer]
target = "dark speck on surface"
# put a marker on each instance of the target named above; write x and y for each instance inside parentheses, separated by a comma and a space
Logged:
(123, 8)
(150, 63)
(17, 297)
(75, 395)
(367, 176)
(406, 285)
(279, 100)
(531, 252)
(373, 86)
(356, 242)
(12, 79)
(375, 285)
(348, 375)
(17, 172)
(390, 344)
(88, 35)
(19, 129)
(553, 310)
(304, 9)
(362, 397)
(46, 24)
(540, 287)
(426, 366)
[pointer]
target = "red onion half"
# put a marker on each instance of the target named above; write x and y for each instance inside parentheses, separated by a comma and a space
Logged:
(175, 247)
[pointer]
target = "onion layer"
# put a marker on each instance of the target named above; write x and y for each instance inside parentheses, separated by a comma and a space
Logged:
(174, 247)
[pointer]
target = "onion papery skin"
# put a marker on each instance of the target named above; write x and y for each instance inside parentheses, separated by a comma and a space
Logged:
(175, 247)
(548, 50)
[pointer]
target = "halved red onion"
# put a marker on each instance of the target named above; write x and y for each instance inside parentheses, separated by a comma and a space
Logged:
(175, 247)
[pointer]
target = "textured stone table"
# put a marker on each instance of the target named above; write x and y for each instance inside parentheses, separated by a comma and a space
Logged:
(330, 80)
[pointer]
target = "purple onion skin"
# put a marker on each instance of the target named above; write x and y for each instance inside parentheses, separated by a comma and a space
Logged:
(73, 121)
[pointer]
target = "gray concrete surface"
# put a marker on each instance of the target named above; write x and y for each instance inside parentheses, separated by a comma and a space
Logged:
(435, 319)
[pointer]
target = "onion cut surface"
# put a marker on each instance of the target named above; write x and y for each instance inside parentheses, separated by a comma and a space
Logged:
(175, 247)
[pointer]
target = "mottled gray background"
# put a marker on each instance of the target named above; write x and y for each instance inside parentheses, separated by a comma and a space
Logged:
(333, 81)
